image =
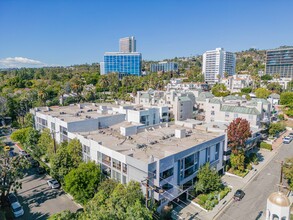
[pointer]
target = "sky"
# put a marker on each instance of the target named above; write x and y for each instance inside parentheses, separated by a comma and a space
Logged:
(36, 33)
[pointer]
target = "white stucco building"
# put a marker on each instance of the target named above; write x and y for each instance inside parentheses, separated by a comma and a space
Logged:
(168, 154)
(216, 63)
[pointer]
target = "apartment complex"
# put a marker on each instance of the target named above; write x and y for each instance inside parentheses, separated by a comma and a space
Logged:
(125, 62)
(280, 61)
(237, 82)
(169, 154)
(216, 63)
(164, 67)
(127, 45)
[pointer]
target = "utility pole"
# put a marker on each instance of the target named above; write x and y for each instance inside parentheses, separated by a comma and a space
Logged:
(147, 193)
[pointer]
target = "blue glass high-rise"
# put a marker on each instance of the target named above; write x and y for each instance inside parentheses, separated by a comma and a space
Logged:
(122, 63)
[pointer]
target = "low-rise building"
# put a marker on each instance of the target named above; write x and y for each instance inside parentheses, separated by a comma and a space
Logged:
(168, 154)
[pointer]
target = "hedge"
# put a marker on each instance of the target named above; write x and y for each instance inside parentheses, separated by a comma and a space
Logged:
(266, 146)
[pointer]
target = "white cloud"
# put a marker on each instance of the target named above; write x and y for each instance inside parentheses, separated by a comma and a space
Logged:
(17, 62)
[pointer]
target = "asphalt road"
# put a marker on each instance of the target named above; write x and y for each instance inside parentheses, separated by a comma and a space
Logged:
(258, 190)
(38, 200)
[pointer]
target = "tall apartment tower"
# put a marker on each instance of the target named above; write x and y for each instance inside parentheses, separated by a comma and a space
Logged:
(216, 63)
(127, 45)
(280, 61)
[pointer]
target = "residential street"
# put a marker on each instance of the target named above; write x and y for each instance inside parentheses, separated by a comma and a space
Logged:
(258, 190)
(38, 200)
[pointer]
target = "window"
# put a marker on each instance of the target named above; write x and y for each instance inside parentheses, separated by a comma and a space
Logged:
(166, 173)
(116, 164)
(235, 115)
(217, 151)
(124, 168)
(99, 156)
(52, 126)
(250, 117)
(208, 154)
(167, 186)
(227, 115)
(212, 112)
(188, 172)
(189, 161)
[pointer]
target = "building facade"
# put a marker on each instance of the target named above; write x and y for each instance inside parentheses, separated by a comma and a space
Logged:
(280, 61)
(127, 45)
(169, 154)
(216, 63)
(164, 67)
(122, 63)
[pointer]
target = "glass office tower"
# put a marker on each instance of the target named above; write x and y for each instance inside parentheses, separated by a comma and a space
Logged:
(280, 61)
(122, 63)
(127, 45)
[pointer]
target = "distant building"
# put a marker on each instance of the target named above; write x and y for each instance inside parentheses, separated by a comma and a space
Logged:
(280, 61)
(122, 63)
(125, 62)
(102, 68)
(216, 63)
(127, 45)
(164, 67)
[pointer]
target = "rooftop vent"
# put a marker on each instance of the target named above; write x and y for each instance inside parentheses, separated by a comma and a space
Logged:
(180, 133)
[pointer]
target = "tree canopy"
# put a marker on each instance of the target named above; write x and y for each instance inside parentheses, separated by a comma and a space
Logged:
(83, 182)
(262, 93)
(238, 132)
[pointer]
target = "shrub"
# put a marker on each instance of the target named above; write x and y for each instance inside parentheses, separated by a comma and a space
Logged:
(224, 192)
(266, 146)
(281, 117)
(249, 167)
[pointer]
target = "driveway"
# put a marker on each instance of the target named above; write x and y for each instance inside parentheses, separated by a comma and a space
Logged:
(257, 191)
(39, 201)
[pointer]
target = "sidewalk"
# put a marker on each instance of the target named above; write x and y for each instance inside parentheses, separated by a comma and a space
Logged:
(235, 183)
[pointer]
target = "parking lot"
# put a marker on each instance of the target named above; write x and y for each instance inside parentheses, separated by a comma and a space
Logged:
(39, 201)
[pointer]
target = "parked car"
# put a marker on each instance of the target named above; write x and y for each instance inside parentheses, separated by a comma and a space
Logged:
(6, 148)
(54, 184)
(17, 209)
(41, 170)
(238, 195)
(291, 135)
(11, 198)
(287, 140)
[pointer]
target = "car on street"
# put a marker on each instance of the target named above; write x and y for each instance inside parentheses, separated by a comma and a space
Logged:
(12, 198)
(6, 148)
(291, 135)
(54, 184)
(17, 209)
(238, 195)
(287, 140)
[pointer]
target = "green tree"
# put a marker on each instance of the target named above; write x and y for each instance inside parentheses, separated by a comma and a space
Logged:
(20, 135)
(266, 77)
(117, 201)
(208, 180)
(32, 137)
(275, 87)
(288, 171)
(276, 128)
(262, 93)
(83, 181)
(64, 215)
(238, 132)
(12, 170)
(246, 90)
(46, 143)
(74, 149)
(286, 98)
(238, 161)
(219, 90)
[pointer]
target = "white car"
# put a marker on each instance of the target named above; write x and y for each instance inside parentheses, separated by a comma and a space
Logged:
(287, 140)
(17, 209)
(54, 184)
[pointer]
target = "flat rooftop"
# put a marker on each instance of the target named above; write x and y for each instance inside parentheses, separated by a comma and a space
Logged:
(158, 141)
(76, 112)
